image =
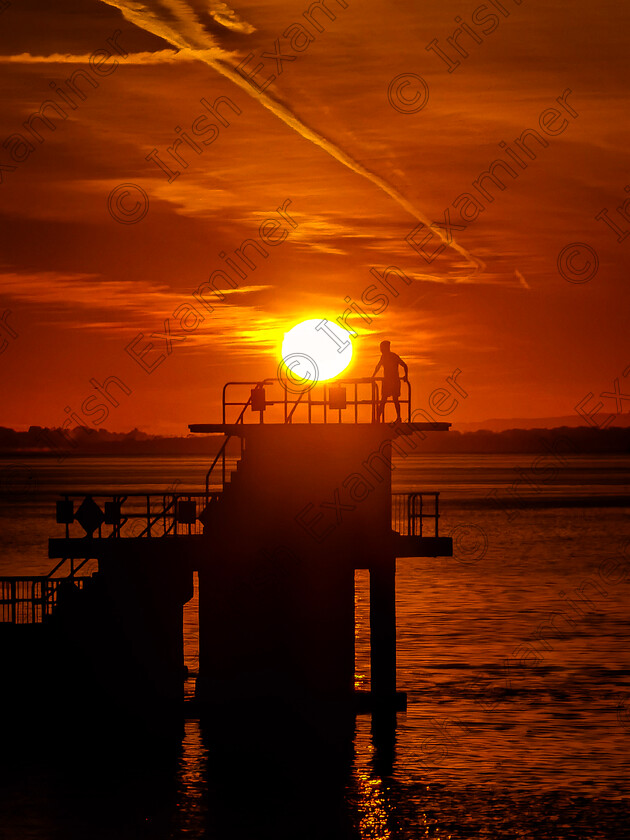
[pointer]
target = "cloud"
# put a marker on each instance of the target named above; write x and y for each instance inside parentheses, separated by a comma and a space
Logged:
(166, 56)
(179, 25)
(521, 279)
(228, 18)
(72, 295)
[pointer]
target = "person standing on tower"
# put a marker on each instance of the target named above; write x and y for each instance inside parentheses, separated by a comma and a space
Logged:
(390, 362)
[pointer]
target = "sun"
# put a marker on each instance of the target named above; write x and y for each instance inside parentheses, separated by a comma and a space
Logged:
(316, 350)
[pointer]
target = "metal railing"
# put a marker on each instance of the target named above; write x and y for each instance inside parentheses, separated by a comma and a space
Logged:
(222, 451)
(117, 515)
(29, 600)
(337, 401)
(113, 516)
(409, 510)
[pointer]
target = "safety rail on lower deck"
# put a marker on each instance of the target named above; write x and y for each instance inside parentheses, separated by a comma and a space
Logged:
(409, 511)
(30, 599)
(118, 515)
(114, 516)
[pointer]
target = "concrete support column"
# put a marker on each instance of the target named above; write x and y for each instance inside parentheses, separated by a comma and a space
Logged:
(383, 627)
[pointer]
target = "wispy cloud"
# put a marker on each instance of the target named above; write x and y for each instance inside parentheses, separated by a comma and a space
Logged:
(178, 24)
(159, 57)
(228, 18)
(522, 280)
(72, 296)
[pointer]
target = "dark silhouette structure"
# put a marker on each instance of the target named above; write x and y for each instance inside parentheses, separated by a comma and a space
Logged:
(275, 537)
(390, 363)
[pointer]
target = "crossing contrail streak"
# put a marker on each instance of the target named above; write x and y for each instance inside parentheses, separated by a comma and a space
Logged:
(186, 32)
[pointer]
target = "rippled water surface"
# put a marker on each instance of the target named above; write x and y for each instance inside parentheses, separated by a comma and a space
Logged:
(514, 654)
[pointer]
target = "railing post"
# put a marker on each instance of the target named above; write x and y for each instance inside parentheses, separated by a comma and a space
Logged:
(374, 401)
(13, 602)
(437, 514)
(148, 515)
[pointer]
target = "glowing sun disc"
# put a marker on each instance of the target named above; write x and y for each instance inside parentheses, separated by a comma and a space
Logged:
(316, 350)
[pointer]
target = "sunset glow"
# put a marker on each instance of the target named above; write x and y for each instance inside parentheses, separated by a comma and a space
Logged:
(168, 186)
(315, 419)
(316, 349)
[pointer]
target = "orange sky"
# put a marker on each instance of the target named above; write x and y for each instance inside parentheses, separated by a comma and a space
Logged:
(355, 176)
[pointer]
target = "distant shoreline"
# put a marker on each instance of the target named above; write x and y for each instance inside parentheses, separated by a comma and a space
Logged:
(40, 442)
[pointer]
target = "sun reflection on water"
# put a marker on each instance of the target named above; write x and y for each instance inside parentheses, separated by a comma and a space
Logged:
(191, 803)
(372, 805)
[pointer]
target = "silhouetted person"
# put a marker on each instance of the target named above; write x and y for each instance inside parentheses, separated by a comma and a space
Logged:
(390, 362)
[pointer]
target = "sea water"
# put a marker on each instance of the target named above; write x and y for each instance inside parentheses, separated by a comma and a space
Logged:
(515, 727)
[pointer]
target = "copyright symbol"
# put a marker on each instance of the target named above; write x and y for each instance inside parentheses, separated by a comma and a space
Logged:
(578, 262)
(408, 101)
(470, 543)
(298, 373)
(128, 204)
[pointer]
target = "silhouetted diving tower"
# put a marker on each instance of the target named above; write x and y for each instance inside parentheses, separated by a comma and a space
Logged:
(310, 501)
(276, 542)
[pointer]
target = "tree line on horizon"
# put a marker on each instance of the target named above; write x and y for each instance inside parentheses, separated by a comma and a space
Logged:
(40, 440)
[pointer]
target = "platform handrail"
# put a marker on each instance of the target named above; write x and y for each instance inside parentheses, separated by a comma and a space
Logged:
(222, 450)
(160, 515)
(317, 395)
(29, 599)
(256, 383)
(409, 510)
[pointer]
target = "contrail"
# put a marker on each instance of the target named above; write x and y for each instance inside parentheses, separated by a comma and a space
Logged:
(521, 279)
(186, 32)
